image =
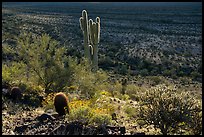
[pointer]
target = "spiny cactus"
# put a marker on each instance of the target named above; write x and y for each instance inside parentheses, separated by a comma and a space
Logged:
(94, 39)
(91, 38)
(124, 85)
(16, 93)
(61, 103)
(84, 27)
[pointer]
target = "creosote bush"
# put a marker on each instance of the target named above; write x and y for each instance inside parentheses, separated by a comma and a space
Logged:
(167, 109)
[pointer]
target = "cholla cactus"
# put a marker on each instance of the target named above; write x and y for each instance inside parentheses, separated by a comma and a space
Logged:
(91, 31)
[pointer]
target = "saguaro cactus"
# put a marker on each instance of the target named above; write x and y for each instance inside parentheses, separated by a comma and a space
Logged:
(94, 39)
(91, 38)
(84, 27)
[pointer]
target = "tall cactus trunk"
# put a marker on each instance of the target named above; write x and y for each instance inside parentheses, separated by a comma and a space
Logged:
(86, 49)
(84, 26)
(95, 57)
(91, 31)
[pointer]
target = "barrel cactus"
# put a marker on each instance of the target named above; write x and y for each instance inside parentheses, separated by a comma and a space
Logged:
(61, 103)
(91, 32)
(16, 93)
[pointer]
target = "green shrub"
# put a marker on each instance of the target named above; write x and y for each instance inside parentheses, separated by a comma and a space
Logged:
(82, 114)
(88, 82)
(89, 115)
(13, 73)
(195, 123)
(166, 109)
(131, 111)
(99, 119)
(43, 59)
(134, 91)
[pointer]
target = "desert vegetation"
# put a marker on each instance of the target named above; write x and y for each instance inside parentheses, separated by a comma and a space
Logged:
(122, 74)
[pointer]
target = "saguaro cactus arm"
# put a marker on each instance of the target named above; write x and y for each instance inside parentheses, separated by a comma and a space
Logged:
(98, 29)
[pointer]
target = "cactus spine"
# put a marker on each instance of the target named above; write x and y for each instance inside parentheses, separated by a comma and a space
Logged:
(92, 37)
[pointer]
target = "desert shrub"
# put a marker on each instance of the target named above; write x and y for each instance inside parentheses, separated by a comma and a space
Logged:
(166, 109)
(43, 59)
(90, 111)
(195, 123)
(99, 119)
(155, 80)
(82, 114)
(131, 111)
(79, 103)
(115, 88)
(134, 91)
(124, 97)
(13, 73)
(102, 104)
(48, 102)
(88, 82)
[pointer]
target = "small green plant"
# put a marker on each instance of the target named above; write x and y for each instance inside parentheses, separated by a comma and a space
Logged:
(48, 102)
(131, 111)
(86, 114)
(135, 91)
(99, 119)
(82, 113)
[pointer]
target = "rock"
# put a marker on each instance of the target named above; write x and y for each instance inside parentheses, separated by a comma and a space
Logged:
(49, 111)
(103, 130)
(4, 113)
(122, 130)
(20, 129)
(28, 120)
(142, 133)
(55, 114)
(4, 106)
(74, 128)
(44, 117)
(12, 133)
(5, 91)
(58, 130)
